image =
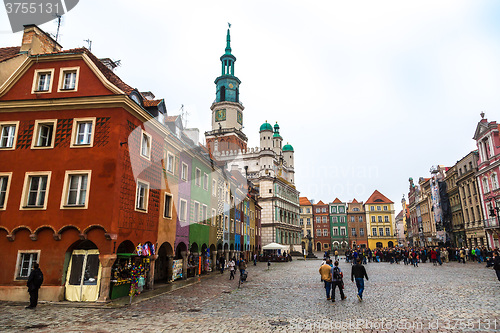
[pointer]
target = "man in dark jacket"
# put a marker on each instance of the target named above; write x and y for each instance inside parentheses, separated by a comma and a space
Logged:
(34, 283)
(496, 264)
(358, 272)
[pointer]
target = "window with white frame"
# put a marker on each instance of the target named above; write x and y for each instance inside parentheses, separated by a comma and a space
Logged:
(360, 218)
(226, 222)
(374, 231)
(378, 207)
(42, 81)
(25, 261)
(4, 189)
(486, 186)
(323, 210)
(204, 216)
(341, 209)
(197, 178)
(76, 189)
(36, 188)
(146, 145)
(342, 231)
(214, 216)
(385, 207)
(205, 181)
(309, 221)
(380, 218)
(184, 171)
(167, 207)
(43, 135)
(353, 219)
(183, 210)
(373, 218)
(301, 221)
(318, 232)
(387, 231)
(334, 209)
(196, 212)
(318, 219)
(381, 231)
(342, 219)
(325, 232)
(361, 231)
(353, 231)
(372, 207)
(386, 218)
(68, 79)
(494, 181)
(335, 231)
(325, 219)
(83, 132)
(142, 194)
(8, 134)
(214, 187)
(232, 225)
(170, 163)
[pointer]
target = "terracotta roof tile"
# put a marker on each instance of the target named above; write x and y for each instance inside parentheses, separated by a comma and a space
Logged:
(320, 203)
(7, 53)
(303, 201)
(153, 102)
(108, 73)
(377, 197)
(354, 200)
(337, 200)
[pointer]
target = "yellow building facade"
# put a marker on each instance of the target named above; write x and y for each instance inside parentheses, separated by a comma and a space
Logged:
(380, 221)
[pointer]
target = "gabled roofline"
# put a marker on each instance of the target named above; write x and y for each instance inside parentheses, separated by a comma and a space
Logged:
(23, 68)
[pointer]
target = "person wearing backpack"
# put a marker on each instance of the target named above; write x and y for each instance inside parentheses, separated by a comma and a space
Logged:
(34, 283)
(337, 281)
(326, 277)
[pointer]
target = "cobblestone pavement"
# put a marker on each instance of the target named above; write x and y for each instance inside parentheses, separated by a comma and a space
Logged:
(289, 297)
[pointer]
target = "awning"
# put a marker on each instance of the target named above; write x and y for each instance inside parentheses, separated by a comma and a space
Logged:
(274, 246)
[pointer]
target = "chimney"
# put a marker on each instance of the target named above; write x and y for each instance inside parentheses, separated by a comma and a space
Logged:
(37, 41)
(110, 63)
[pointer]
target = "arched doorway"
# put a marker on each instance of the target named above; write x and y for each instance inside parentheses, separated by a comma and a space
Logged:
(390, 244)
(83, 277)
(318, 246)
(379, 244)
(161, 264)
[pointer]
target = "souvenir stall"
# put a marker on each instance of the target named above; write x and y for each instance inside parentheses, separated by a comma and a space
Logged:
(130, 271)
(193, 265)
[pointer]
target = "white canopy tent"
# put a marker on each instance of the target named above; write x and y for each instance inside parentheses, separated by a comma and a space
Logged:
(274, 246)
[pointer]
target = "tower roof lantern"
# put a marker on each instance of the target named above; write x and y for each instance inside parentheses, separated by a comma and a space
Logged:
(266, 127)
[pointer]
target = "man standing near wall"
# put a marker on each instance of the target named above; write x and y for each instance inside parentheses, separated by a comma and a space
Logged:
(34, 283)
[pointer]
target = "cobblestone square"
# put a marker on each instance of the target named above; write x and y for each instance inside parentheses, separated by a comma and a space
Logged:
(290, 297)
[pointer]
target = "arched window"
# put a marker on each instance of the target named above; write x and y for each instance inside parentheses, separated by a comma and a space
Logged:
(237, 95)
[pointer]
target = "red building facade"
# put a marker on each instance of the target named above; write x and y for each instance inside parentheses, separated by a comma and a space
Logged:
(321, 226)
(71, 132)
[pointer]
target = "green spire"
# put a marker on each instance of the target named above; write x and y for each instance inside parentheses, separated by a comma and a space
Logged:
(228, 43)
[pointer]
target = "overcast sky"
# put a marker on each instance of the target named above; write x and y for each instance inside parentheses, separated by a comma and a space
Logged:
(369, 93)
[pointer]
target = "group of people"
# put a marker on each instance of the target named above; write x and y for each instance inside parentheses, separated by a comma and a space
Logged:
(332, 277)
(241, 264)
(414, 255)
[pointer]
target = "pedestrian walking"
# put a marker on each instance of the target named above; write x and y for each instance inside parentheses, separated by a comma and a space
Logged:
(242, 265)
(255, 259)
(337, 275)
(358, 272)
(231, 266)
(326, 277)
(35, 280)
(222, 262)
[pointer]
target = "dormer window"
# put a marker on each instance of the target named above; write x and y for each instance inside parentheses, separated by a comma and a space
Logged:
(42, 81)
(68, 79)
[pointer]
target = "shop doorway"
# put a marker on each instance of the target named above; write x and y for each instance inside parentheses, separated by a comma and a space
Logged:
(84, 278)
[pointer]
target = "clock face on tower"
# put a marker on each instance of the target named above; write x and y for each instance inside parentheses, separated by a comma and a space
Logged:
(240, 118)
(220, 115)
